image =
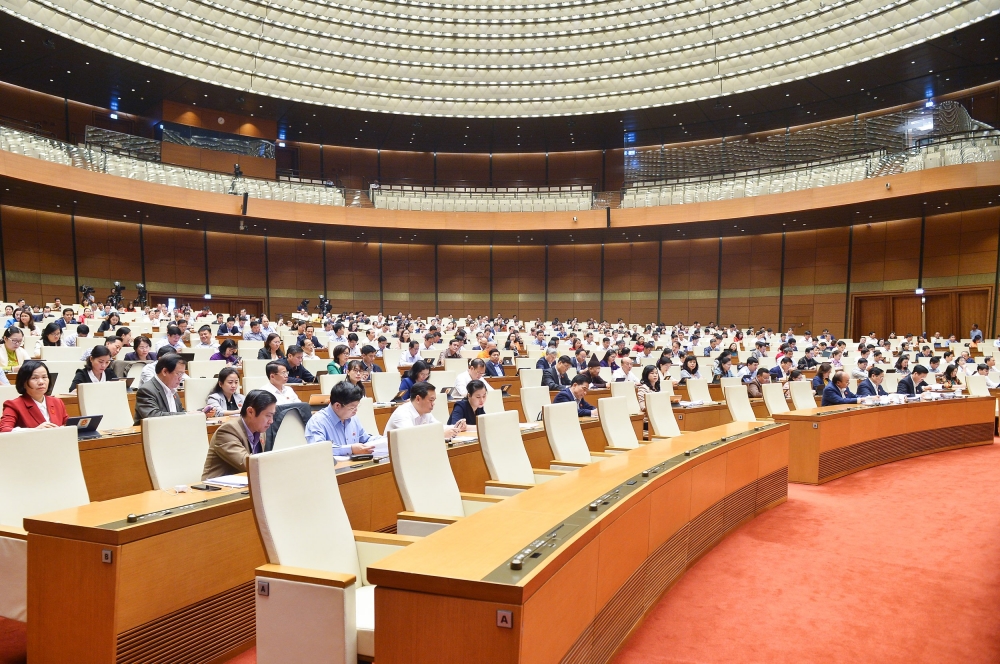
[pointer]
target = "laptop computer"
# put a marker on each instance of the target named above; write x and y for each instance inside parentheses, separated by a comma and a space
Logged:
(86, 426)
(188, 357)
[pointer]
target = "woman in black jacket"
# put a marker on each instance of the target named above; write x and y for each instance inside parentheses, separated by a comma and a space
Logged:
(96, 370)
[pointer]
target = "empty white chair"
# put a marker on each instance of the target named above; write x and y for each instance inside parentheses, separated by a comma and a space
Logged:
(890, 382)
(385, 385)
(66, 371)
(61, 353)
(40, 472)
(108, 399)
(7, 392)
(617, 424)
(390, 356)
(698, 390)
(442, 379)
(662, 421)
(327, 381)
(253, 383)
(291, 432)
(774, 397)
(569, 447)
(426, 482)
(738, 401)
(303, 525)
(196, 391)
(530, 377)
(494, 402)
(977, 386)
(254, 367)
(248, 349)
(729, 381)
(203, 368)
(625, 389)
(532, 401)
(366, 415)
(175, 447)
(505, 456)
(456, 364)
(803, 397)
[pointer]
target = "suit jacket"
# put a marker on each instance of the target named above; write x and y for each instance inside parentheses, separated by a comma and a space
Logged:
(555, 380)
(807, 363)
(496, 371)
(867, 388)
(23, 412)
(463, 410)
(906, 386)
(542, 364)
(83, 376)
(583, 408)
(151, 401)
(754, 389)
(776, 374)
(228, 451)
(831, 396)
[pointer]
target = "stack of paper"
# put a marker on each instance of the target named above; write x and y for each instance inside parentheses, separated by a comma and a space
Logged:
(229, 481)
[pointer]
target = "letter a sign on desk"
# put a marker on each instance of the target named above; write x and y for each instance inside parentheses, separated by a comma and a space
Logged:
(505, 619)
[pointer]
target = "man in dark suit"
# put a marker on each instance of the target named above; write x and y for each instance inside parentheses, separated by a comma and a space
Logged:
(547, 362)
(580, 363)
(556, 378)
(872, 386)
(576, 392)
(368, 359)
(808, 361)
(836, 392)
(779, 374)
(493, 366)
(914, 384)
(158, 397)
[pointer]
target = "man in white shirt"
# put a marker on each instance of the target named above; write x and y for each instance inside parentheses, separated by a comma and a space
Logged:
(266, 328)
(70, 336)
(205, 339)
(420, 410)
(984, 371)
(338, 334)
(173, 339)
(411, 356)
(277, 376)
(624, 371)
(477, 369)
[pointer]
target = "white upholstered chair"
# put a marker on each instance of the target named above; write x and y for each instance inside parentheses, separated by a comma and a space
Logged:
(698, 390)
(204, 368)
(108, 399)
(66, 370)
(738, 401)
(505, 456)
(530, 377)
(196, 391)
(625, 389)
(617, 424)
(426, 482)
(562, 428)
(319, 606)
(7, 392)
(291, 432)
(366, 415)
(532, 401)
(662, 421)
(327, 381)
(175, 447)
(494, 402)
(774, 397)
(385, 385)
(40, 472)
(802, 394)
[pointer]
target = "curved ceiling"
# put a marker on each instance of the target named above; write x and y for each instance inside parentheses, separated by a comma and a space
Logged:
(499, 60)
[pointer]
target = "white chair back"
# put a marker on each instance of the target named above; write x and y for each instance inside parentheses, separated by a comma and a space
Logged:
(61, 353)
(366, 415)
(698, 390)
(390, 356)
(530, 377)
(423, 473)
(66, 371)
(83, 343)
(385, 385)
(532, 401)
(175, 447)
(40, 472)
(616, 423)
(738, 401)
(442, 379)
(523, 363)
(205, 368)
(803, 397)
(253, 383)
(254, 367)
(562, 428)
(108, 399)
(774, 397)
(7, 392)
(248, 349)
(662, 421)
(729, 381)
(441, 412)
(202, 354)
(494, 402)
(299, 511)
(666, 387)
(977, 386)
(327, 381)
(503, 448)
(625, 390)
(291, 433)
(456, 364)
(890, 383)
(315, 366)
(196, 391)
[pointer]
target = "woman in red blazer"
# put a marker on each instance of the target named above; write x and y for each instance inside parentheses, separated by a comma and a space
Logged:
(25, 411)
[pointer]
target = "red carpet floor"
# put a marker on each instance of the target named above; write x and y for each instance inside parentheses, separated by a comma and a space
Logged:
(899, 563)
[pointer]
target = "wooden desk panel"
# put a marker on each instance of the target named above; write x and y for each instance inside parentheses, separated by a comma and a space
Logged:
(834, 441)
(579, 603)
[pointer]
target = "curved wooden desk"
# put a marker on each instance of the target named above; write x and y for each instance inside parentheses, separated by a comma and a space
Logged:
(834, 441)
(597, 573)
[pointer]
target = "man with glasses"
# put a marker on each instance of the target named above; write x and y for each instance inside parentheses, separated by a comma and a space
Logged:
(339, 424)
(576, 391)
(277, 377)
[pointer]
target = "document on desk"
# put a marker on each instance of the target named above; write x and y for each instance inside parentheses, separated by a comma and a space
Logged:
(230, 481)
(527, 426)
(463, 439)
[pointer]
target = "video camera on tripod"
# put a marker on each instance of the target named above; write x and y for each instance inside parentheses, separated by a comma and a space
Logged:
(143, 299)
(115, 298)
(87, 295)
(324, 306)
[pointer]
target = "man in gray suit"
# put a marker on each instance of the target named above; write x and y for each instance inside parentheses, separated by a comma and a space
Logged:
(158, 397)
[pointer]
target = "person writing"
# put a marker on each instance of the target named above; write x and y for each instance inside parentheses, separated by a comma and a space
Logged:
(227, 352)
(593, 372)
(469, 408)
(576, 391)
(914, 384)
(338, 423)
(234, 442)
(836, 393)
(555, 378)
(418, 373)
(872, 386)
(420, 410)
(158, 396)
(95, 369)
(822, 378)
(225, 397)
(32, 409)
(476, 371)
(297, 373)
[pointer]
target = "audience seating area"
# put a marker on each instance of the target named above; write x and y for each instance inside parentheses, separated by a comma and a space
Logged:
(482, 199)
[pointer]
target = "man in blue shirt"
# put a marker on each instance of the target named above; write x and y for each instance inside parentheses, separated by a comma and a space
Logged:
(338, 423)
(576, 391)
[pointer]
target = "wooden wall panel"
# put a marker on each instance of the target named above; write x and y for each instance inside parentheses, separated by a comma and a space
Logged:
(574, 281)
(175, 260)
(408, 278)
(630, 281)
(463, 280)
(107, 252)
(34, 108)
(407, 167)
(961, 249)
(207, 118)
(352, 167)
(236, 266)
(38, 255)
(295, 271)
(583, 167)
(309, 160)
(463, 170)
(352, 280)
(518, 169)
(690, 280)
(751, 280)
(519, 281)
(886, 256)
(815, 291)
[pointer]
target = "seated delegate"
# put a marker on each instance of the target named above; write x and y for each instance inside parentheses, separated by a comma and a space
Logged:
(234, 442)
(469, 408)
(32, 409)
